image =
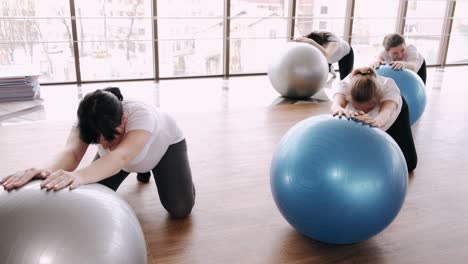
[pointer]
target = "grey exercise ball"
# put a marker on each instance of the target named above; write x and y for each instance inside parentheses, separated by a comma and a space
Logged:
(90, 224)
(298, 71)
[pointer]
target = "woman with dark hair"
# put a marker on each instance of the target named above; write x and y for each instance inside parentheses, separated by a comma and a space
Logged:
(131, 137)
(334, 49)
(376, 100)
(401, 56)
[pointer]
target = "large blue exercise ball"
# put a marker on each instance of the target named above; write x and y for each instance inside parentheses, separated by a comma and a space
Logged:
(90, 224)
(412, 88)
(298, 71)
(338, 181)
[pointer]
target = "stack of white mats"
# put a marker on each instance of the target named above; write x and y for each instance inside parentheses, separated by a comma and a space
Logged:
(19, 88)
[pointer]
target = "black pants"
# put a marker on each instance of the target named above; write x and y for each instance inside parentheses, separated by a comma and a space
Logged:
(173, 179)
(423, 72)
(345, 64)
(400, 131)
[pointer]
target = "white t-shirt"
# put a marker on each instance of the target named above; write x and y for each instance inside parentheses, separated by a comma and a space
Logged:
(342, 49)
(411, 54)
(387, 89)
(164, 132)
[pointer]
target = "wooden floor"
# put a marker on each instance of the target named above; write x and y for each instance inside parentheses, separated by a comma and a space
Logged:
(235, 219)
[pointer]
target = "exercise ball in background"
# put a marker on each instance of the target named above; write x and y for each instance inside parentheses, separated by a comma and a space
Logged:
(90, 224)
(412, 88)
(338, 181)
(298, 71)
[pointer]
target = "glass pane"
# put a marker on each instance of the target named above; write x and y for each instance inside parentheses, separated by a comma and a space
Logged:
(268, 27)
(112, 29)
(34, 30)
(195, 8)
(424, 25)
(35, 36)
(112, 8)
(255, 8)
(253, 55)
(114, 60)
(258, 29)
(52, 29)
(427, 46)
(320, 15)
(190, 57)
(35, 8)
(114, 39)
(190, 37)
(190, 28)
(365, 49)
(53, 60)
(373, 20)
(458, 45)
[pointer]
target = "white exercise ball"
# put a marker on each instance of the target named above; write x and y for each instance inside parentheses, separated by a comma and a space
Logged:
(90, 224)
(299, 71)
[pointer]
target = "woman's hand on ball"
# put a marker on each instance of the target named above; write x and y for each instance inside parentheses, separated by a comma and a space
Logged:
(61, 179)
(305, 40)
(367, 119)
(299, 39)
(22, 177)
(377, 64)
(345, 112)
(397, 65)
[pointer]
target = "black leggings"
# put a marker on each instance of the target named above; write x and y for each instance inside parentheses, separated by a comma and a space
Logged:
(345, 64)
(173, 179)
(423, 72)
(400, 131)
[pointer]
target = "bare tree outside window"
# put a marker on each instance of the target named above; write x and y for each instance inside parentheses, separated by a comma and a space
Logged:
(31, 43)
(115, 39)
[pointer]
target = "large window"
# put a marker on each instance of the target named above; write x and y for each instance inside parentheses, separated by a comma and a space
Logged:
(258, 30)
(321, 15)
(35, 37)
(372, 21)
(458, 45)
(423, 27)
(114, 39)
(190, 37)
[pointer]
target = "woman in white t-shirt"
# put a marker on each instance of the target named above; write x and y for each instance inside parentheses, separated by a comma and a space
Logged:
(131, 137)
(401, 56)
(376, 100)
(334, 49)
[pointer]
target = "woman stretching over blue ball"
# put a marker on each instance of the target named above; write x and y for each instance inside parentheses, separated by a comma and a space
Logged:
(376, 100)
(401, 56)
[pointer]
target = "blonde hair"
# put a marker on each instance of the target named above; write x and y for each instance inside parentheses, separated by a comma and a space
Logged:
(364, 86)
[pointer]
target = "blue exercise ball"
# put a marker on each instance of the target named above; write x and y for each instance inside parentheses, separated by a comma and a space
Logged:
(412, 88)
(338, 181)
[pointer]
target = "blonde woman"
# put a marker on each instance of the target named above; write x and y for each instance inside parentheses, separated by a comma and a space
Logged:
(376, 100)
